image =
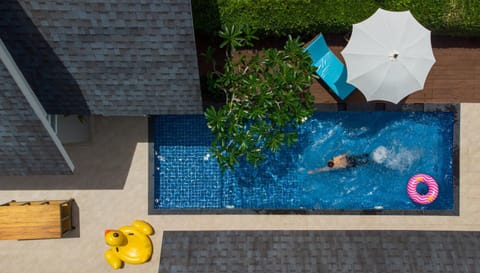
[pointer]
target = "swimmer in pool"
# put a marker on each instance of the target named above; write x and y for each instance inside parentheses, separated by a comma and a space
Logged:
(343, 161)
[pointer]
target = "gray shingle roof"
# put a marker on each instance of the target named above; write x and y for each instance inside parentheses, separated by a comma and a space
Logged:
(320, 251)
(110, 57)
(106, 57)
(25, 145)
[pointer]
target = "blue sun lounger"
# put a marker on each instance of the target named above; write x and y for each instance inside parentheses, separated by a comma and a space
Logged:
(329, 67)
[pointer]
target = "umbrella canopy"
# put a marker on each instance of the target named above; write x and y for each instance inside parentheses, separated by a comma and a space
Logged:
(388, 56)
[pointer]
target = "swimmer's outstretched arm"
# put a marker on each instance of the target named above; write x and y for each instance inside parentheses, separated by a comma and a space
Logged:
(324, 169)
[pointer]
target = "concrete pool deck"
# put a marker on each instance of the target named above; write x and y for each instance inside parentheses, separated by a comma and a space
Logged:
(110, 187)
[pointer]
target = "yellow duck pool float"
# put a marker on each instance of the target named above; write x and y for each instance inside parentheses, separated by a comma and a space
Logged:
(130, 244)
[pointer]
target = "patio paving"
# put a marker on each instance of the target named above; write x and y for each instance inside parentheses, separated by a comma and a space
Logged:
(110, 185)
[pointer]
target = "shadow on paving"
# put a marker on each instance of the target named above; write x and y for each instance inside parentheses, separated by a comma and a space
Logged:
(102, 163)
(437, 41)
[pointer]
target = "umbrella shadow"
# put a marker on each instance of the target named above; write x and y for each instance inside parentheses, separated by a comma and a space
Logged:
(360, 126)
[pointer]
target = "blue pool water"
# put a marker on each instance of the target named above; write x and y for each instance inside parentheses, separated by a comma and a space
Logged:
(399, 144)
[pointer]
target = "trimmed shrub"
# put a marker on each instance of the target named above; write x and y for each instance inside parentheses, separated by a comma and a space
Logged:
(206, 17)
(283, 17)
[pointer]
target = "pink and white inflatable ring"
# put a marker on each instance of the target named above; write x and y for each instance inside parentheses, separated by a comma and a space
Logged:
(427, 198)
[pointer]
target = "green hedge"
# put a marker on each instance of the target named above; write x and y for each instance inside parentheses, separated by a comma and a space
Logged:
(299, 17)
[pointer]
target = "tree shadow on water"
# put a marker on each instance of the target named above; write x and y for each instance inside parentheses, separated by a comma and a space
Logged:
(273, 169)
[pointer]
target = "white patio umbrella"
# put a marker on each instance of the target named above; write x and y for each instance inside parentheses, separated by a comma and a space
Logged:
(388, 56)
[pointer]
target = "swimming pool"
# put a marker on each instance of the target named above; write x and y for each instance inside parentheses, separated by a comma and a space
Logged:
(399, 144)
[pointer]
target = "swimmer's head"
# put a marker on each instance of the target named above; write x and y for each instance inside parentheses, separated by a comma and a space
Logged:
(330, 164)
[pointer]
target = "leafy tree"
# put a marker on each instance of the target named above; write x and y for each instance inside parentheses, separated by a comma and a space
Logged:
(235, 37)
(267, 97)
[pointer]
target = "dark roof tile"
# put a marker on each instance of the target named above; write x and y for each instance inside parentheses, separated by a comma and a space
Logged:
(26, 148)
(320, 251)
(105, 55)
